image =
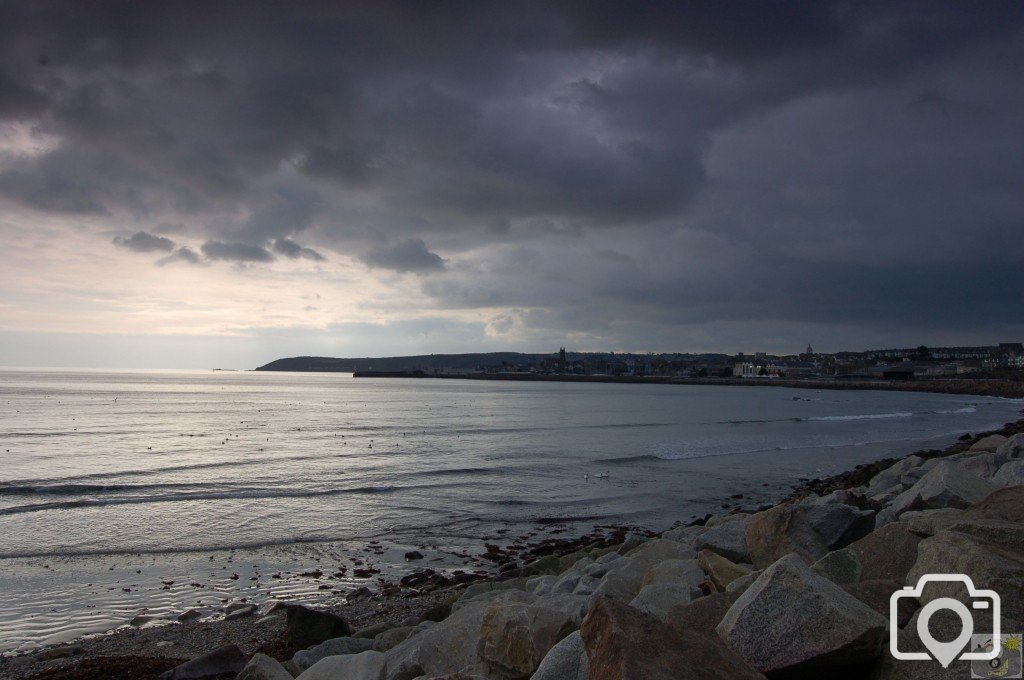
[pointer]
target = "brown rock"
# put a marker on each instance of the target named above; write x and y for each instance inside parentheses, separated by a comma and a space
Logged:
(625, 644)
(703, 614)
(886, 553)
(1005, 504)
(782, 530)
(721, 571)
(514, 638)
(876, 594)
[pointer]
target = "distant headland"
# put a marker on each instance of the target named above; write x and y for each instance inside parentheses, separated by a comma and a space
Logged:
(996, 370)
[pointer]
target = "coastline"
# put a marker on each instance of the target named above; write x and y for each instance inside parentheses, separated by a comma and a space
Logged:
(977, 387)
(155, 648)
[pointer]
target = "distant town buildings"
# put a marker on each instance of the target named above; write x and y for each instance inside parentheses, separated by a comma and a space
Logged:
(878, 364)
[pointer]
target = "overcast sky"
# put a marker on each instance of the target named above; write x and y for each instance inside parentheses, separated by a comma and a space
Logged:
(197, 184)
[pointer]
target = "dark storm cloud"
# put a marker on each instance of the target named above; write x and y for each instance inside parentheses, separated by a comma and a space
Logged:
(817, 155)
(184, 255)
(142, 242)
(293, 250)
(236, 252)
(410, 255)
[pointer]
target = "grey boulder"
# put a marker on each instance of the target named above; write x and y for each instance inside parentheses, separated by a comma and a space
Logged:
(1013, 447)
(227, 659)
(566, 661)
(839, 524)
(728, 539)
(345, 645)
(989, 443)
(658, 599)
(263, 667)
(791, 618)
(367, 665)
(840, 567)
(1010, 474)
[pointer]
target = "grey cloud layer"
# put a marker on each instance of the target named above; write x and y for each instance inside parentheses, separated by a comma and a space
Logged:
(597, 166)
(141, 242)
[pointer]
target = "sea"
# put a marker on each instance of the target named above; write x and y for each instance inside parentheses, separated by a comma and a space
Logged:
(127, 493)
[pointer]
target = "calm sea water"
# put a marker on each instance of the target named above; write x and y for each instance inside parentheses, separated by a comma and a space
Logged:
(168, 467)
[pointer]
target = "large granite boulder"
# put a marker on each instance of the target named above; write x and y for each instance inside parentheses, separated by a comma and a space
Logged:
(566, 661)
(780, 531)
(945, 486)
(990, 552)
(877, 594)
(345, 645)
(226, 659)
(721, 571)
(625, 644)
(1013, 447)
(728, 539)
(678, 572)
(685, 535)
(1005, 504)
(989, 443)
(486, 589)
(839, 524)
(942, 626)
(703, 614)
(659, 598)
(886, 553)
(402, 662)
(515, 638)
(626, 575)
(367, 665)
(1010, 474)
(451, 645)
(980, 464)
(791, 618)
(655, 550)
(742, 583)
(263, 667)
(890, 477)
(305, 627)
(391, 637)
(840, 567)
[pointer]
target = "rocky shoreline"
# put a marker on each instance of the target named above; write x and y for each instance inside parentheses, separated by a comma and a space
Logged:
(797, 589)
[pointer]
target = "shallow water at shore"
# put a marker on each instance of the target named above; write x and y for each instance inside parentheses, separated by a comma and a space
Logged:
(106, 474)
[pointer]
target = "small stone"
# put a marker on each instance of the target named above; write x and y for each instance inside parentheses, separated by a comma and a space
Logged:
(413, 555)
(241, 612)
